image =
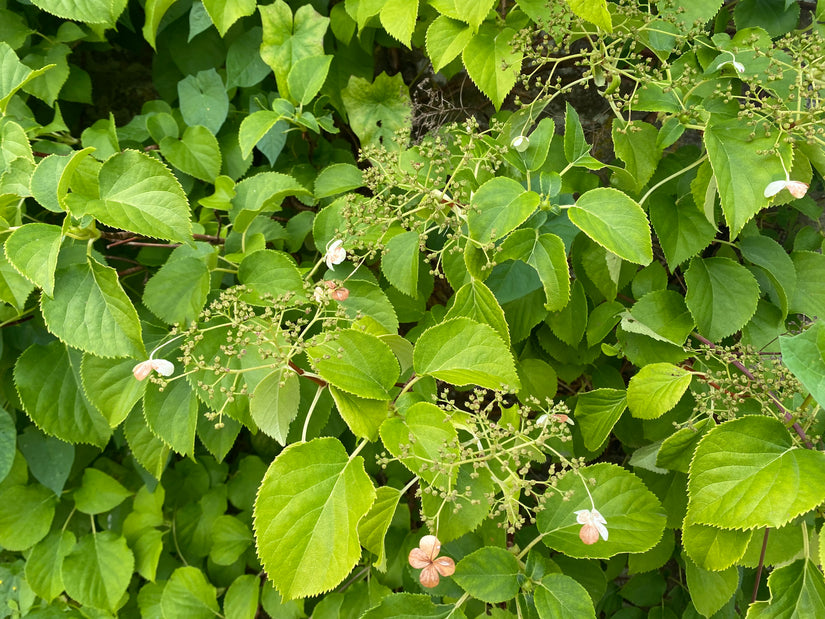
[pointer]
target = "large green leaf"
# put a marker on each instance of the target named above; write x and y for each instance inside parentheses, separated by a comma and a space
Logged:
(140, 194)
(26, 514)
(44, 567)
(561, 597)
(616, 222)
(99, 492)
(491, 61)
(288, 39)
(306, 516)
(446, 39)
(90, 311)
(379, 110)
(809, 297)
(155, 10)
(802, 355)
(89, 11)
(425, 442)
(775, 263)
(358, 363)
(32, 249)
(274, 403)
(597, 411)
(187, 271)
(546, 254)
(372, 529)
(462, 351)
(721, 295)
(797, 590)
(489, 574)
(412, 606)
(189, 594)
(498, 207)
(14, 74)
(172, 414)
(98, 570)
(362, 416)
(399, 262)
(50, 179)
(635, 518)
(712, 548)
(710, 590)
(48, 381)
(111, 387)
(262, 192)
(268, 275)
(203, 100)
(743, 166)
(223, 14)
(477, 302)
(681, 228)
(398, 18)
(656, 389)
(635, 144)
(197, 153)
(747, 473)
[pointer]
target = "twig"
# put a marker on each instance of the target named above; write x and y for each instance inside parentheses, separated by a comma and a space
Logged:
(761, 564)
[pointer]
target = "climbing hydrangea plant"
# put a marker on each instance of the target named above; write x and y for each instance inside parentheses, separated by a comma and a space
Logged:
(430, 308)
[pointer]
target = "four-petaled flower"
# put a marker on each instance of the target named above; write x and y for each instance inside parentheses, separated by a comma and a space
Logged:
(336, 253)
(592, 525)
(796, 188)
(426, 559)
(161, 366)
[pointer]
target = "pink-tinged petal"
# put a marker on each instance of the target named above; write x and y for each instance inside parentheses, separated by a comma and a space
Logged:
(797, 188)
(163, 367)
(774, 188)
(602, 530)
(429, 576)
(589, 534)
(142, 369)
(583, 516)
(430, 546)
(419, 559)
(340, 294)
(445, 566)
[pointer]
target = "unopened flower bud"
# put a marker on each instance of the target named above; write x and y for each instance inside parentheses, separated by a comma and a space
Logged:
(520, 143)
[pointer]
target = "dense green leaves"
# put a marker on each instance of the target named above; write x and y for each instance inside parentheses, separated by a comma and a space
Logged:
(306, 516)
(489, 574)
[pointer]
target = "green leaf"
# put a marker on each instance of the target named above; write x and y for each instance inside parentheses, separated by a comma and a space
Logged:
(111, 387)
(49, 459)
(498, 207)
(372, 529)
(269, 274)
(410, 605)
(472, 486)
(358, 363)
(569, 323)
(26, 514)
(263, 192)
(477, 302)
(746, 473)
(98, 570)
(743, 168)
(241, 599)
(48, 382)
(307, 76)
(287, 40)
(775, 263)
(709, 591)
(803, 357)
(561, 597)
(681, 228)
(8, 440)
(274, 403)
(713, 548)
(399, 262)
(797, 590)
(50, 179)
(203, 100)
(547, 255)
(489, 574)
(492, 63)
(231, 538)
(46, 87)
(809, 297)
(594, 11)
(446, 39)
(656, 389)
(306, 516)
(697, 10)
(197, 153)
(187, 271)
(336, 179)
(14, 288)
(635, 518)
(722, 296)
(14, 75)
(576, 148)
(597, 411)
(616, 222)
(398, 18)
(99, 492)
(223, 14)
(32, 249)
(463, 352)
(44, 566)
(140, 194)
(434, 441)
(155, 10)
(189, 594)
(255, 127)
(149, 451)
(362, 416)
(90, 311)
(635, 143)
(378, 111)
(244, 66)
(172, 415)
(89, 11)
(368, 299)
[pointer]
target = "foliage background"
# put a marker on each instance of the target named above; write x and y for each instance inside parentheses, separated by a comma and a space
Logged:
(421, 267)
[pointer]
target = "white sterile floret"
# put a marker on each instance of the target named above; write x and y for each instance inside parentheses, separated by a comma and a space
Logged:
(592, 525)
(796, 188)
(336, 253)
(520, 143)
